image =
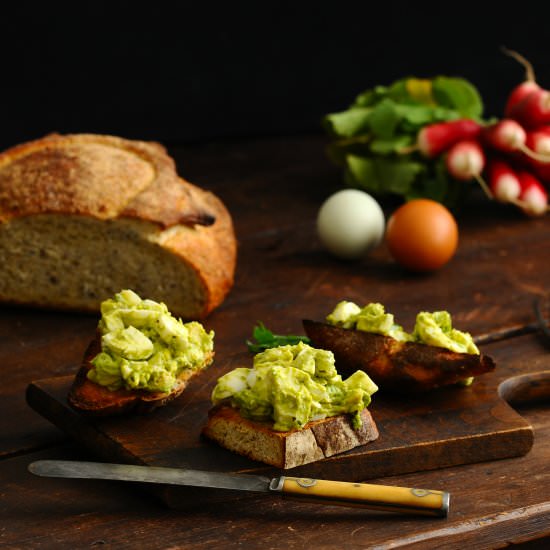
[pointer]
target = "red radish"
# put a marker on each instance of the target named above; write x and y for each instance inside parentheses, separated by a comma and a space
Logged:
(503, 181)
(533, 199)
(465, 160)
(436, 138)
(540, 169)
(519, 93)
(534, 110)
(506, 135)
(509, 137)
(528, 103)
(539, 141)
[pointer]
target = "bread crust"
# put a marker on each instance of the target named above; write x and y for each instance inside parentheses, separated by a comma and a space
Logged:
(258, 441)
(212, 251)
(96, 400)
(394, 365)
(96, 175)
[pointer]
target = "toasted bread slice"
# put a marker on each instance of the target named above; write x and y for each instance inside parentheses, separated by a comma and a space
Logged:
(91, 398)
(395, 365)
(258, 441)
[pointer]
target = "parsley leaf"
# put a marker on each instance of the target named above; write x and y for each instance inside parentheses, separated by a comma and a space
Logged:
(263, 338)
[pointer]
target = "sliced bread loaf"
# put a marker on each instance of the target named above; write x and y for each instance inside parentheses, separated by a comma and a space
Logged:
(84, 216)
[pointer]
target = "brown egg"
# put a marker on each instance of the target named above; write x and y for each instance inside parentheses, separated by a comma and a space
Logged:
(422, 235)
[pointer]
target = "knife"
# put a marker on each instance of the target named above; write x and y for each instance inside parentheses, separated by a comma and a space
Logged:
(377, 497)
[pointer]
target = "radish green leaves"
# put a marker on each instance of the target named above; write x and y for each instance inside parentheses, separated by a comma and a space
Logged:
(374, 139)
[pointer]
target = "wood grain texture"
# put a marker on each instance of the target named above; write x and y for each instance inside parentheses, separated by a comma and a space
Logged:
(493, 505)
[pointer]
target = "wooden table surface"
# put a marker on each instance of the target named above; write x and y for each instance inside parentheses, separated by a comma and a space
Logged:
(273, 188)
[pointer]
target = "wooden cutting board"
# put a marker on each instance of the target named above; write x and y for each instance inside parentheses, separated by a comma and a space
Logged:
(450, 426)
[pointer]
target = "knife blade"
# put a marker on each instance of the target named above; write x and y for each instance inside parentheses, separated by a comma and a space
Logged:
(377, 497)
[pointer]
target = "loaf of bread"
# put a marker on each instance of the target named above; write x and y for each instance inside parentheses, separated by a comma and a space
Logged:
(95, 400)
(316, 440)
(83, 216)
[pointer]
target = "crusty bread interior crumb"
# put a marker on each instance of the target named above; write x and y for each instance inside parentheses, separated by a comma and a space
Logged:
(316, 440)
(241, 439)
(75, 262)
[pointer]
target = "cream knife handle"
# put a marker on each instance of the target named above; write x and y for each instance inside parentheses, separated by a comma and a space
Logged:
(377, 497)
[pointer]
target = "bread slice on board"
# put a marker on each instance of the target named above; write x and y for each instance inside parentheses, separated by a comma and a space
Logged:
(96, 400)
(83, 216)
(258, 441)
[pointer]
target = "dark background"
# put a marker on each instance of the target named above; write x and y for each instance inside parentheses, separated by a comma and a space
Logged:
(186, 72)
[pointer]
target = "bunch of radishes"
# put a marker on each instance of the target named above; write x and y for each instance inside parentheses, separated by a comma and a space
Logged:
(511, 155)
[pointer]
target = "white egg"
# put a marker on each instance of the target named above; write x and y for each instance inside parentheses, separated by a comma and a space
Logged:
(350, 223)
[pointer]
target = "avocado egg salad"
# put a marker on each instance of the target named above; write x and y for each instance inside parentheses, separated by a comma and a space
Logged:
(292, 385)
(433, 329)
(143, 347)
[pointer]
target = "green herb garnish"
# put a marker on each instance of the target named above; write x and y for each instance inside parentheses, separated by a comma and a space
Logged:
(263, 338)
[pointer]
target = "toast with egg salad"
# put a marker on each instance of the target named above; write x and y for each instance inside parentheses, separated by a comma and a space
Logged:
(141, 358)
(291, 408)
(434, 354)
